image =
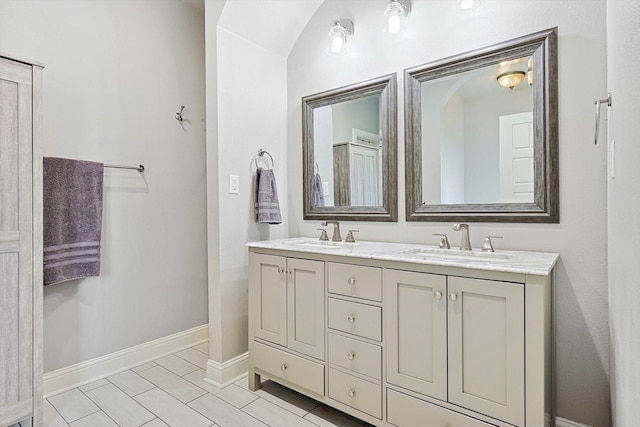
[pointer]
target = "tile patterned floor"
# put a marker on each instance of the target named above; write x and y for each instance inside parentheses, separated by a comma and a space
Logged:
(170, 391)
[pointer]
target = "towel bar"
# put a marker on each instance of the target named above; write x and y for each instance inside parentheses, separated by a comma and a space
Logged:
(139, 168)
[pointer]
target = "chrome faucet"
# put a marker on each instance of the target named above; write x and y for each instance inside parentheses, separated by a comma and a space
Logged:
(444, 241)
(487, 246)
(336, 230)
(465, 243)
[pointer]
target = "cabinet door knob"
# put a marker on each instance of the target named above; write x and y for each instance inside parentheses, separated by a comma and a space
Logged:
(290, 272)
(453, 296)
(351, 281)
(351, 356)
(437, 294)
(351, 319)
(352, 393)
(283, 367)
(280, 270)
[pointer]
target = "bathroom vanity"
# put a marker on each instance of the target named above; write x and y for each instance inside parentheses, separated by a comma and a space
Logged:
(405, 335)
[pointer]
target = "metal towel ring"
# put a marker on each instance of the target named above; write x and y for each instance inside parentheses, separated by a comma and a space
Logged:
(261, 153)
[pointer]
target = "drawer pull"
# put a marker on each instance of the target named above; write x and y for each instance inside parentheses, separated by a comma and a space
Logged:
(283, 367)
(351, 356)
(351, 319)
(352, 393)
(437, 295)
(453, 296)
(351, 281)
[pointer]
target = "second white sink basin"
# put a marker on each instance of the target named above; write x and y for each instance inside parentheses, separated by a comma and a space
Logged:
(457, 254)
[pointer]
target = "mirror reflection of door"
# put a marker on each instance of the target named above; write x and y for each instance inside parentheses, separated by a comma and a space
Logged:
(516, 158)
(348, 152)
(465, 159)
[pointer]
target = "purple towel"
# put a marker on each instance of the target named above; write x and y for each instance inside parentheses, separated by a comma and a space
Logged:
(318, 192)
(72, 212)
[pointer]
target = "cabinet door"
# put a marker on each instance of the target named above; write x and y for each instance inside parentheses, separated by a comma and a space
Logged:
(416, 325)
(16, 247)
(268, 282)
(486, 347)
(305, 290)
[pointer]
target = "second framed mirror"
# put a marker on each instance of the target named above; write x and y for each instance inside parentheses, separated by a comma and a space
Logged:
(482, 134)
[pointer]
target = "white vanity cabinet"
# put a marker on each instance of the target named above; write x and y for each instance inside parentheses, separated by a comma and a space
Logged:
(354, 323)
(459, 340)
(287, 298)
(411, 340)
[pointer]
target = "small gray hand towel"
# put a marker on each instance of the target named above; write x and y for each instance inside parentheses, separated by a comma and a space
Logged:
(318, 193)
(72, 212)
(267, 207)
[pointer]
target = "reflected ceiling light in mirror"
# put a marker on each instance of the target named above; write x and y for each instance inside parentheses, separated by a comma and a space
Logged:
(468, 4)
(509, 62)
(511, 80)
(530, 71)
(395, 16)
(339, 34)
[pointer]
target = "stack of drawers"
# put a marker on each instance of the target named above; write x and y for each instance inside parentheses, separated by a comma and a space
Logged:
(355, 336)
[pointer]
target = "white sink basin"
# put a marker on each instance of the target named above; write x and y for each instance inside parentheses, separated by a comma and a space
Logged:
(320, 244)
(457, 254)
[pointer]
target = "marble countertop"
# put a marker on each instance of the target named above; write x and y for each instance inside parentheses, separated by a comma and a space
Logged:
(537, 263)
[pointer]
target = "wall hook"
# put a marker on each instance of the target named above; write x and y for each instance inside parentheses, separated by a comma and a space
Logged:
(179, 115)
(599, 102)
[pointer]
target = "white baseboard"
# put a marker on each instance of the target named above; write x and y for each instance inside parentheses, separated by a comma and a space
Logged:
(562, 422)
(223, 374)
(85, 372)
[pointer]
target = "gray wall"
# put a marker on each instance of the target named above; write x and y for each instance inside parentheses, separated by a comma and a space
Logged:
(623, 48)
(246, 98)
(360, 114)
(436, 30)
(116, 73)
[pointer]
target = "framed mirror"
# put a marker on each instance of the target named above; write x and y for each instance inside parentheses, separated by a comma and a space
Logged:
(482, 134)
(349, 152)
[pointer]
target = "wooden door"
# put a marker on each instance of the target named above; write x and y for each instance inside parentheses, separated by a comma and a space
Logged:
(416, 324)
(268, 284)
(16, 243)
(486, 347)
(516, 158)
(305, 292)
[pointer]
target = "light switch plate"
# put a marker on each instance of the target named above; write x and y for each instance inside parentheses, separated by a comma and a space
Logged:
(234, 184)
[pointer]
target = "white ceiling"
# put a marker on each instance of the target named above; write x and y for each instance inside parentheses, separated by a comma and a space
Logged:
(272, 24)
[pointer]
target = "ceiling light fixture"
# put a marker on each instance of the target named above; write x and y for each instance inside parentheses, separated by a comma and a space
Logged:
(530, 71)
(511, 79)
(395, 16)
(339, 34)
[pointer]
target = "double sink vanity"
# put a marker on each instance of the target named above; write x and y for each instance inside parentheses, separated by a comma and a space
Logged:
(402, 334)
(413, 335)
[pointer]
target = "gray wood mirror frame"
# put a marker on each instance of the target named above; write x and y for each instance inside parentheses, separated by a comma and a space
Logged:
(349, 148)
(445, 161)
